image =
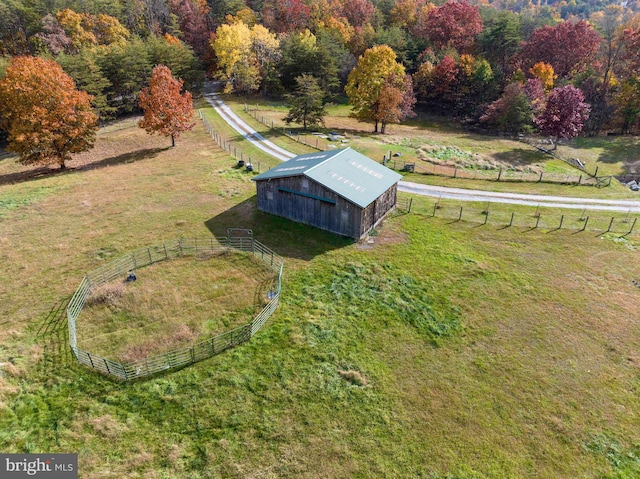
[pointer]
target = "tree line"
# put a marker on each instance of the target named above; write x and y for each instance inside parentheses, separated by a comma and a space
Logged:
(510, 66)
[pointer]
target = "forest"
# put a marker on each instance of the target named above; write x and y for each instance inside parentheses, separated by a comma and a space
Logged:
(510, 66)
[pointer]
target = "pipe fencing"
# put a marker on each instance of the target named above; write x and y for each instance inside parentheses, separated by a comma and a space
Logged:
(118, 268)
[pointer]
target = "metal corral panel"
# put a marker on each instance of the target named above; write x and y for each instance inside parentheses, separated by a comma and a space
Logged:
(350, 174)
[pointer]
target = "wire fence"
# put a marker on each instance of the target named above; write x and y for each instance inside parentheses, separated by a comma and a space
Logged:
(540, 218)
(448, 171)
(121, 124)
(310, 140)
(118, 268)
(230, 147)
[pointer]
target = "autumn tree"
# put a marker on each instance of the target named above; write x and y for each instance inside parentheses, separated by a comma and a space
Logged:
(286, 15)
(368, 83)
(511, 112)
(47, 118)
(438, 84)
(266, 48)
(358, 12)
(453, 25)
(564, 114)
(544, 72)
(167, 111)
(568, 47)
(192, 20)
(307, 106)
(237, 64)
(396, 101)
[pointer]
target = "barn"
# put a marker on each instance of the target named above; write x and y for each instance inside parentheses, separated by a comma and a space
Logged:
(341, 191)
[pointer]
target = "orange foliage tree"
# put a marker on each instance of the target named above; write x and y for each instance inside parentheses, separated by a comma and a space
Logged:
(46, 117)
(166, 110)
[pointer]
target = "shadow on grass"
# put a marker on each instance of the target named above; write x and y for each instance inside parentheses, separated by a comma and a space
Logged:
(53, 336)
(285, 237)
(48, 172)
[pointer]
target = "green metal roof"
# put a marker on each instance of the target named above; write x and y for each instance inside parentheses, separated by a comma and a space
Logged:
(346, 172)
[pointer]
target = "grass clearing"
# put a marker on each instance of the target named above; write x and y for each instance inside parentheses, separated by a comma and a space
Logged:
(439, 350)
(433, 140)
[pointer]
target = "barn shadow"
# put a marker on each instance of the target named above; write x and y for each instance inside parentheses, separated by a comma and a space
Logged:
(285, 237)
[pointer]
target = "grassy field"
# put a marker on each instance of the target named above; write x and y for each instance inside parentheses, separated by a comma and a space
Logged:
(441, 350)
(172, 305)
(433, 140)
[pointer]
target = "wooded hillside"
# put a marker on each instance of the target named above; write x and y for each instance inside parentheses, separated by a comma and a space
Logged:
(494, 64)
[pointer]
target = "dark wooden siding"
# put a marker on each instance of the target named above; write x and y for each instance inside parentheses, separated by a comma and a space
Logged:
(301, 199)
(373, 213)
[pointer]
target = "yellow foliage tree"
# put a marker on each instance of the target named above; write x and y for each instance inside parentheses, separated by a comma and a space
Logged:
(237, 66)
(368, 83)
(544, 72)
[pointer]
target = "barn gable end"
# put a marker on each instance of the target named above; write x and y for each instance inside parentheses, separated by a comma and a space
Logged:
(341, 191)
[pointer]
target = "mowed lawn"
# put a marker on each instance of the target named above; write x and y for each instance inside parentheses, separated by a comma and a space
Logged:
(439, 350)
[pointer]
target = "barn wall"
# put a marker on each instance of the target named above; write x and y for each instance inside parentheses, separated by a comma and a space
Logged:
(337, 216)
(373, 213)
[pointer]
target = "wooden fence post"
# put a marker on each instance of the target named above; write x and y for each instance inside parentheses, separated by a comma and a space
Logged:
(584, 227)
(561, 220)
(511, 221)
(632, 226)
(610, 225)
(460, 215)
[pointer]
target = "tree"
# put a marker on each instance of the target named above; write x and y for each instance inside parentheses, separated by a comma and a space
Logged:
(396, 101)
(192, 20)
(237, 64)
(511, 112)
(302, 53)
(166, 110)
(88, 75)
(286, 15)
(367, 80)
(358, 12)
(439, 82)
(453, 25)
(565, 113)
(544, 72)
(306, 103)
(567, 47)
(500, 41)
(610, 25)
(126, 67)
(47, 118)
(266, 48)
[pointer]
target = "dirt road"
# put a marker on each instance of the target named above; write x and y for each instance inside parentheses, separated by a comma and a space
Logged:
(458, 194)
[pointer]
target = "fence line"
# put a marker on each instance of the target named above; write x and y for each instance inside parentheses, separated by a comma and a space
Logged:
(231, 147)
(505, 175)
(621, 224)
(269, 124)
(180, 357)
